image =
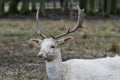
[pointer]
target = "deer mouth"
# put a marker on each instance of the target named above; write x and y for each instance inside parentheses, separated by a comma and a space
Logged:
(49, 58)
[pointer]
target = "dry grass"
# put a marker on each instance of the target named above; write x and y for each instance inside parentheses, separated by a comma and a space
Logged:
(18, 61)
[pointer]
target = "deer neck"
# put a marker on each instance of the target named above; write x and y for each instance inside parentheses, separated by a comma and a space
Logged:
(54, 67)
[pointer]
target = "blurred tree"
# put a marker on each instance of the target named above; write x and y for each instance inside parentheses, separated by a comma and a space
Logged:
(13, 6)
(33, 5)
(65, 7)
(105, 7)
(54, 4)
(42, 7)
(91, 7)
(61, 4)
(25, 7)
(83, 4)
(118, 7)
(71, 9)
(100, 6)
(1, 7)
(113, 6)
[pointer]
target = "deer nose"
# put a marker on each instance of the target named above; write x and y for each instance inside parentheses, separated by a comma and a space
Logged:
(40, 55)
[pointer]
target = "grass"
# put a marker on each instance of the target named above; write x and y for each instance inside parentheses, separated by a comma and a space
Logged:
(18, 61)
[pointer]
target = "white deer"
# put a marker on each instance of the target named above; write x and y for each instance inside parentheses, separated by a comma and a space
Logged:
(74, 69)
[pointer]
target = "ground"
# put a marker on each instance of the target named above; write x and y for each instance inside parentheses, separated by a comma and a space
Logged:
(18, 60)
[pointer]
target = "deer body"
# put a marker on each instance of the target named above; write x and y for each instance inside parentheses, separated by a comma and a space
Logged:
(77, 69)
(74, 69)
(94, 69)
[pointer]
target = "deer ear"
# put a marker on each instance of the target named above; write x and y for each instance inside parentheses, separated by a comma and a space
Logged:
(64, 40)
(36, 42)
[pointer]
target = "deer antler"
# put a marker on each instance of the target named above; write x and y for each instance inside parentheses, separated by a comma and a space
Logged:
(37, 29)
(81, 16)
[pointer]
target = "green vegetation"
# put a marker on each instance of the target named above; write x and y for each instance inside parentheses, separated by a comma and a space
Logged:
(104, 8)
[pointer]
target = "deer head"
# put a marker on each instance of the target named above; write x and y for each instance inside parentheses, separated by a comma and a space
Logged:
(50, 46)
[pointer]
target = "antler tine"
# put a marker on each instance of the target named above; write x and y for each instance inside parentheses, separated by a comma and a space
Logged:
(81, 16)
(37, 29)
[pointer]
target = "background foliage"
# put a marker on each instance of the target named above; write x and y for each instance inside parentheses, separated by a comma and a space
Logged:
(60, 7)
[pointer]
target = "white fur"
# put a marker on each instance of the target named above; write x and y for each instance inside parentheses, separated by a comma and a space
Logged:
(94, 69)
(79, 69)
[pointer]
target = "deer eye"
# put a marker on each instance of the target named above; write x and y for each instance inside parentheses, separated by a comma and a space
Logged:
(52, 46)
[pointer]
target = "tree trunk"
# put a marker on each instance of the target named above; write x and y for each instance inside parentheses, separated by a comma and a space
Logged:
(71, 9)
(42, 7)
(83, 4)
(33, 5)
(13, 6)
(92, 7)
(54, 4)
(118, 7)
(113, 6)
(1, 7)
(25, 7)
(65, 7)
(61, 4)
(107, 7)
